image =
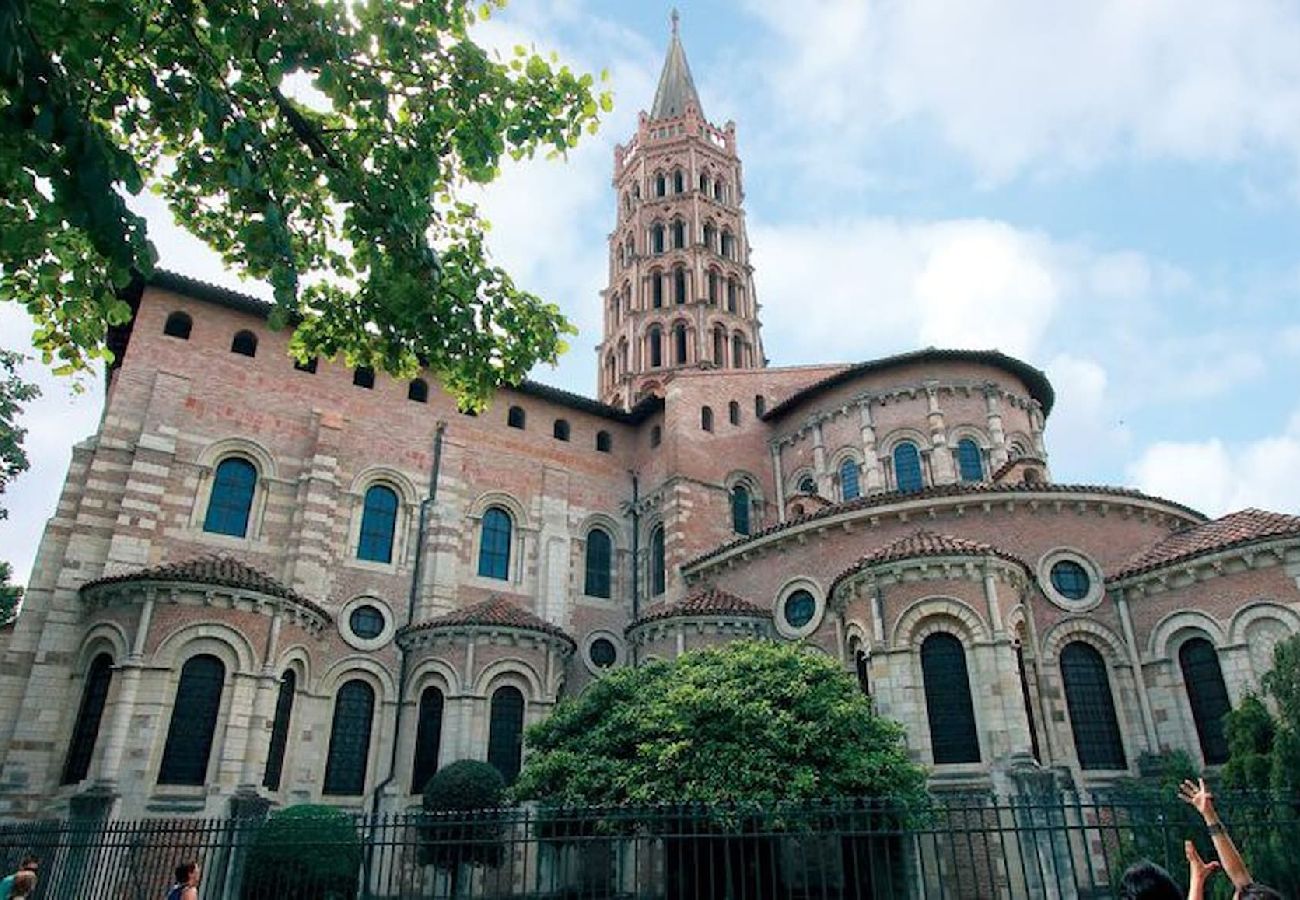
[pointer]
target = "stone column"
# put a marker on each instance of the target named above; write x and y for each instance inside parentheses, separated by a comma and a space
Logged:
(257, 742)
(993, 418)
(941, 466)
(1036, 424)
(823, 477)
(1139, 679)
(778, 480)
(875, 478)
(119, 723)
(318, 505)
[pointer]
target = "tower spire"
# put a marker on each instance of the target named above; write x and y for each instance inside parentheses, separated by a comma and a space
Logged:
(676, 87)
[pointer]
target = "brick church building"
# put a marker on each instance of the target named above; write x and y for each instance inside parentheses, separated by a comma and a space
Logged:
(314, 583)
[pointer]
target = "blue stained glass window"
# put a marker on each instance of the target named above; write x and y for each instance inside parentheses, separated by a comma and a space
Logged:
(1071, 579)
(970, 464)
(349, 750)
(849, 487)
(799, 609)
(907, 467)
(740, 501)
(600, 551)
(494, 545)
(378, 522)
(231, 499)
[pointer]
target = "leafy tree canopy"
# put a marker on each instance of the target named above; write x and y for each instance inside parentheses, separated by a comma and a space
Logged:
(14, 392)
(753, 721)
(10, 594)
(321, 145)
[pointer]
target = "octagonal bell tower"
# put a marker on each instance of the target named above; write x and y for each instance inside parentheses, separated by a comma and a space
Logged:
(681, 289)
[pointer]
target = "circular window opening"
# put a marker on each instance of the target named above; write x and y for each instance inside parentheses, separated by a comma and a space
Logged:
(800, 607)
(366, 622)
(807, 485)
(603, 653)
(1070, 579)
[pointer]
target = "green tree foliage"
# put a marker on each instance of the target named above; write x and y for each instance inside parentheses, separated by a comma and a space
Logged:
(321, 145)
(14, 392)
(306, 852)
(10, 594)
(464, 827)
(750, 721)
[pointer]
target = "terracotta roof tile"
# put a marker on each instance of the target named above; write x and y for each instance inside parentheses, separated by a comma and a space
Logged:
(494, 611)
(212, 569)
(1244, 527)
(707, 601)
(921, 544)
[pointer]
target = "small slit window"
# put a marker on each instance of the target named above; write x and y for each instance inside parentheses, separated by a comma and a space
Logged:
(364, 377)
(280, 732)
(733, 412)
(658, 573)
(604, 443)
(178, 325)
(516, 417)
(560, 431)
(418, 391)
(706, 418)
(760, 405)
(428, 738)
(245, 344)
(656, 435)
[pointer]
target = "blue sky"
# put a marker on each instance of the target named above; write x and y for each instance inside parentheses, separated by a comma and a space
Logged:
(1110, 191)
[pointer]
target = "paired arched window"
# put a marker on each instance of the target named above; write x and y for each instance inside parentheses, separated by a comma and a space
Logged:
(737, 351)
(657, 238)
(679, 285)
(494, 544)
(970, 463)
(679, 181)
(657, 289)
(661, 184)
(679, 343)
(280, 731)
(731, 295)
(560, 430)
(194, 721)
(505, 731)
(349, 751)
(363, 377)
(706, 418)
(849, 486)
(231, 500)
(89, 714)
(907, 467)
(1208, 696)
(740, 503)
(658, 574)
(599, 563)
(178, 325)
(948, 706)
(428, 739)
(378, 524)
(245, 344)
(719, 347)
(418, 390)
(604, 443)
(1092, 708)
(515, 417)
(679, 234)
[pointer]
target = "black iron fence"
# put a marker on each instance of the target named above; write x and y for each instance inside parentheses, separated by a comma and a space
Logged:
(969, 846)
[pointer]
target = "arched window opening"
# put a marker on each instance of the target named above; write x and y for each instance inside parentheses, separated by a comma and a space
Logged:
(378, 524)
(731, 295)
(706, 418)
(494, 544)
(718, 190)
(1091, 707)
(599, 562)
(849, 487)
(807, 485)
(679, 234)
(661, 185)
(604, 443)
(679, 182)
(704, 183)
(1208, 696)
(679, 285)
(505, 732)
(728, 245)
(740, 505)
(970, 463)
(309, 366)
(657, 238)
(280, 731)
(860, 664)
(710, 237)
(418, 390)
(738, 352)
(428, 739)
(658, 567)
(733, 412)
(231, 499)
(179, 325)
(657, 289)
(719, 347)
(907, 468)
(349, 750)
(656, 435)
(89, 714)
(712, 282)
(560, 430)
(760, 405)
(245, 344)
(679, 343)
(948, 706)
(194, 722)
(656, 348)
(363, 377)
(516, 417)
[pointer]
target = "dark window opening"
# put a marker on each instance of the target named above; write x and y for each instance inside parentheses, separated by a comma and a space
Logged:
(560, 431)
(309, 366)
(1208, 696)
(364, 377)
(280, 732)
(231, 499)
(706, 418)
(604, 443)
(658, 567)
(90, 713)
(418, 390)
(516, 417)
(740, 503)
(907, 468)
(178, 325)
(599, 563)
(245, 344)
(1091, 707)
(193, 722)
(428, 739)
(505, 732)
(948, 707)
(378, 524)
(494, 544)
(349, 749)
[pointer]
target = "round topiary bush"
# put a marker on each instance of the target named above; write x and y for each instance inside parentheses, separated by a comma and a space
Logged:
(464, 785)
(305, 852)
(464, 823)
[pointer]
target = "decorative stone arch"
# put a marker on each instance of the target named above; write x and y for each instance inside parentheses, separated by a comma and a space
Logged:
(897, 436)
(930, 614)
(1172, 630)
(358, 666)
(297, 658)
(514, 672)
(603, 521)
(223, 641)
(387, 475)
(1261, 609)
(408, 502)
(856, 636)
(432, 672)
(799, 474)
(743, 478)
(961, 432)
(841, 456)
(211, 455)
(487, 499)
(1257, 627)
(1101, 638)
(103, 637)
(1021, 440)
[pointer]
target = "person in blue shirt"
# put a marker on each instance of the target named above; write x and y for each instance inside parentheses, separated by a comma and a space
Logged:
(30, 863)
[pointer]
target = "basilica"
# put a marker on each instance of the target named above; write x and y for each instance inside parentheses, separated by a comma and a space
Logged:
(287, 582)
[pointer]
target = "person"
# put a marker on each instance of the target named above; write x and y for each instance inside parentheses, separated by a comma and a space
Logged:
(1144, 880)
(1246, 887)
(24, 884)
(187, 882)
(31, 863)
(1198, 871)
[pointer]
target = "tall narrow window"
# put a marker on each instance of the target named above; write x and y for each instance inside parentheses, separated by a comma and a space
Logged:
(194, 722)
(713, 287)
(679, 285)
(760, 405)
(516, 417)
(1092, 708)
(706, 418)
(907, 467)
(656, 435)
(349, 751)
(947, 700)
(679, 234)
(231, 499)
(600, 554)
(86, 730)
(178, 325)
(679, 182)
(849, 488)
(428, 739)
(657, 561)
(1208, 696)
(970, 464)
(679, 343)
(378, 524)
(719, 347)
(737, 352)
(560, 430)
(661, 185)
(418, 391)
(728, 245)
(657, 238)
(245, 344)
(280, 731)
(740, 502)
(656, 348)
(731, 295)
(657, 289)
(505, 730)
(733, 412)
(494, 544)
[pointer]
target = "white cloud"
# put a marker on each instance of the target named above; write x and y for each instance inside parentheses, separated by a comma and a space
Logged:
(1218, 477)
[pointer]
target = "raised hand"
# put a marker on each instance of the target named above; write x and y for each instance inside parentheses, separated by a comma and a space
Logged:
(1199, 796)
(1199, 871)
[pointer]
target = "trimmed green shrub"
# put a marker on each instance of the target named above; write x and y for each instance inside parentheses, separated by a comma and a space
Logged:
(464, 823)
(305, 852)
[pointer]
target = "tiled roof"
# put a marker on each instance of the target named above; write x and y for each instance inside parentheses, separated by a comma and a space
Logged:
(212, 569)
(1235, 529)
(707, 601)
(971, 489)
(920, 544)
(496, 611)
